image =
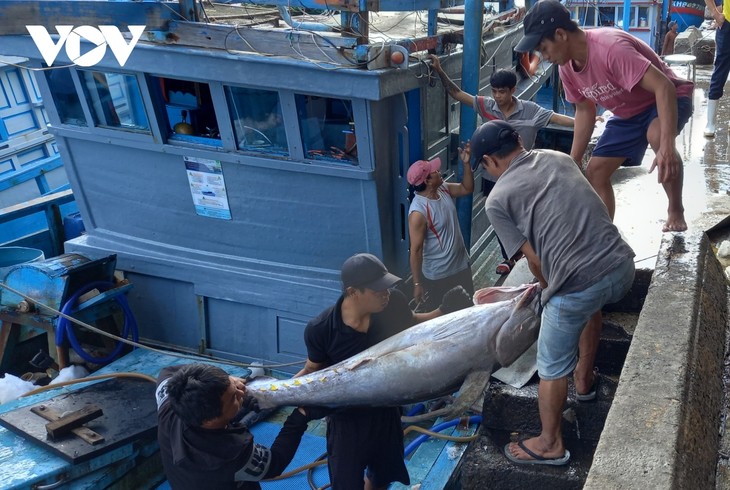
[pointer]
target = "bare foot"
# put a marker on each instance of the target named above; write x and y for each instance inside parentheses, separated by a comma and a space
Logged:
(675, 222)
(537, 447)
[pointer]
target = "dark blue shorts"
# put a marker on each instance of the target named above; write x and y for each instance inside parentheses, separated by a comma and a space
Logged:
(627, 137)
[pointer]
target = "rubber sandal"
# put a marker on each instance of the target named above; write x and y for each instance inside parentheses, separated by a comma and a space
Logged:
(536, 458)
(505, 267)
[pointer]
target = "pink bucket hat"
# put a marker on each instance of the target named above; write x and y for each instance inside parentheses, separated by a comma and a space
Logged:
(421, 169)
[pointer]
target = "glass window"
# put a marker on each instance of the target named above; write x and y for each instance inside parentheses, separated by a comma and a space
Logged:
(633, 16)
(643, 16)
(587, 16)
(257, 120)
(65, 97)
(606, 16)
(115, 100)
(189, 108)
(328, 128)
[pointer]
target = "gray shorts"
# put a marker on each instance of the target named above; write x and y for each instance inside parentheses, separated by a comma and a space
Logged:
(565, 316)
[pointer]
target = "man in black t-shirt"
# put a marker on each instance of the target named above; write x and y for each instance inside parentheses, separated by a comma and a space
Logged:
(365, 441)
(199, 445)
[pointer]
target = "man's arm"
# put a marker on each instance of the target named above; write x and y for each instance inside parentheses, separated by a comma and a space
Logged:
(663, 89)
(533, 261)
(716, 12)
(466, 186)
(585, 118)
(264, 463)
(449, 84)
(310, 367)
(417, 232)
(562, 120)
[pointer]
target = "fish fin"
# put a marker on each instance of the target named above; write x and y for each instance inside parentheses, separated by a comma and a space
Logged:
(471, 390)
(359, 363)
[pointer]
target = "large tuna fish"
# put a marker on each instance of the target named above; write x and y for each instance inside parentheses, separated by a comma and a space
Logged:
(425, 361)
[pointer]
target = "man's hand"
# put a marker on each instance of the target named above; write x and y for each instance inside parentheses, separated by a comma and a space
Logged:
(249, 404)
(455, 299)
(667, 161)
(465, 154)
(315, 412)
(435, 63)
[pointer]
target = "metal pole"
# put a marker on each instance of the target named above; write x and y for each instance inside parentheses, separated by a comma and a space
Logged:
(470, 70)
(627, 15)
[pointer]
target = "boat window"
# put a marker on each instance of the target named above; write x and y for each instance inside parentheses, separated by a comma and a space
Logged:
(65, 97)
(586, 16)
(189, 108)
(607, 16)
(115, 100)
(327, 127)
(257, 120)
(633, 18)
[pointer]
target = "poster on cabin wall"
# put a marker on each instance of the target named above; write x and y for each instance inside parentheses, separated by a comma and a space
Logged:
(207, 187)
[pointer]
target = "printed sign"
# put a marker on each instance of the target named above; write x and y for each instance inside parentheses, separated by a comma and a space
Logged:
(207, 187)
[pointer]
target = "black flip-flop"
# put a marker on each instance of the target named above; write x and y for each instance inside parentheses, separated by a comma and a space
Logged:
(536, 458)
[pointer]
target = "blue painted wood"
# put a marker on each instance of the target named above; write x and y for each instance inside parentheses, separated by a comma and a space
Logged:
(23, 463)
(433, 463)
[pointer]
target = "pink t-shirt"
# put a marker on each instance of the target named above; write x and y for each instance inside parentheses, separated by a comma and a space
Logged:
(617, 61)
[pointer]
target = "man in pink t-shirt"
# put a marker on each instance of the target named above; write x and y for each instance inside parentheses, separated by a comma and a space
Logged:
(611, 68)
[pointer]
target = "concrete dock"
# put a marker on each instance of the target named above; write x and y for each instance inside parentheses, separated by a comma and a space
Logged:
(660, 419)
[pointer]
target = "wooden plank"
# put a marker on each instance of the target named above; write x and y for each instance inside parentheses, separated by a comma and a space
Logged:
(84, 433)
(321, 46)
(65, 424)
(35, 205)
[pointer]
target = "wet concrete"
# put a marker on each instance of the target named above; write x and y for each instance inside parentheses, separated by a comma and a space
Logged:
(665, 417)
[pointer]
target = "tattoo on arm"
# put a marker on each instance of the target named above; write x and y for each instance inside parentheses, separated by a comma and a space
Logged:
(449, 84)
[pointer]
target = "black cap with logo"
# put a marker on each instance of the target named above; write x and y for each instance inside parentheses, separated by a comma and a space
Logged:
(542, 19)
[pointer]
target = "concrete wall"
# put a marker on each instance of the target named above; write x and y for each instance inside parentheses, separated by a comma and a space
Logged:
(662, 429)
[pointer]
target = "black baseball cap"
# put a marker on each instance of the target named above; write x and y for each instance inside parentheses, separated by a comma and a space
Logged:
(542, 19)
(367, 271)
(490, 137)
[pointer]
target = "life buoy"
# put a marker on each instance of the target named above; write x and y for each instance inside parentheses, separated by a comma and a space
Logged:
(529, 62)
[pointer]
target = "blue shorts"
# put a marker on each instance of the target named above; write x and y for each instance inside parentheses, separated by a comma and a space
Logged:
(565, 316)
(627, 137)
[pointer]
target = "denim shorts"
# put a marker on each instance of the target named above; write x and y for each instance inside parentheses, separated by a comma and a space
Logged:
(565, 316)
(627, 137)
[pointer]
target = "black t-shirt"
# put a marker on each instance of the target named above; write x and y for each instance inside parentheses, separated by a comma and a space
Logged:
(329, 340)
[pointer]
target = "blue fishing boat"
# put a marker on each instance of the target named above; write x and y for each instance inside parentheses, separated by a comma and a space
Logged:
(644, 19)
(30, 165)
(226, 159)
